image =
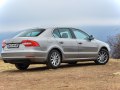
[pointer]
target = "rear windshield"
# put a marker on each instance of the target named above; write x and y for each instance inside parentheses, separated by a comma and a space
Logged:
(31, 33)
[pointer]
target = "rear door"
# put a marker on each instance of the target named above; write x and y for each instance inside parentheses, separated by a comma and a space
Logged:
(87, 48)
(67, 42)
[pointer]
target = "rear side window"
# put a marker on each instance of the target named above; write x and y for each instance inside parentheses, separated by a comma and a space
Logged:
(56, 33)
(62, 33)
(31, 33)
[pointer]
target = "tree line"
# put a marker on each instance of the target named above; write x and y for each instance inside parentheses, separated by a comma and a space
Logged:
(114, 42)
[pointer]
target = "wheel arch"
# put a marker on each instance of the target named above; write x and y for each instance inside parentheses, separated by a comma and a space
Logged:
(104, 47)
(58, 49)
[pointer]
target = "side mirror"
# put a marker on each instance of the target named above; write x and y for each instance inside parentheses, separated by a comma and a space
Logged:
(91, 37)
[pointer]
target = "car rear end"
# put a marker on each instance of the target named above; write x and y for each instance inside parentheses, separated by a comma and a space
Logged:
(25, 47)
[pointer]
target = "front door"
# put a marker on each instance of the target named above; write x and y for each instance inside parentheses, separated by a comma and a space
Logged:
(87, 48)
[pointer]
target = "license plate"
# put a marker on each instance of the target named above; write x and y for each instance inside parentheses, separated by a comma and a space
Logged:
(13, 46)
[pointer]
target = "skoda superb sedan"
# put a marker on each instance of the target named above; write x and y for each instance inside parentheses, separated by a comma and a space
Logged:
(52, 47)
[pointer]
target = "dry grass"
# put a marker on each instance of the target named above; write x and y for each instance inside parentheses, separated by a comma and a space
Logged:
(83, 76)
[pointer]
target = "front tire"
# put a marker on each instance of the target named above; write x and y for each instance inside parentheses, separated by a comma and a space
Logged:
(22, 66)
(103, 57)
(54, 59)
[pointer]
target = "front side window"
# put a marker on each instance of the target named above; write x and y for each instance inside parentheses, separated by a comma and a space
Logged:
(62, 33)
(80, 35)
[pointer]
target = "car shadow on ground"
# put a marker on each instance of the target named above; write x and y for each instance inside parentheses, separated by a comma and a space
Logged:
(63, 66)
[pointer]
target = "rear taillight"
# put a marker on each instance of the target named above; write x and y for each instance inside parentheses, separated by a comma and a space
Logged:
(3, 43)
(30, 43)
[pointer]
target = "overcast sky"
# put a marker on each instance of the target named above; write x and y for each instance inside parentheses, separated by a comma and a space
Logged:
(21, 14)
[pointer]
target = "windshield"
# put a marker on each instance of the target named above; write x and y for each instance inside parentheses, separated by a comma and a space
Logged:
(30, 33)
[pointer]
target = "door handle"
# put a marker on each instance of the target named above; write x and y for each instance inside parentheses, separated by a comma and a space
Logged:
(80, 43)
(61, 42)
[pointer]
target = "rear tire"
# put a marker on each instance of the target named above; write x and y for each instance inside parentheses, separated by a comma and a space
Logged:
(103, 57)
(22, 66)
(54, 59)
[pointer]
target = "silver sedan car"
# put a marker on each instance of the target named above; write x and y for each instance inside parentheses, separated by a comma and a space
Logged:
(53, 46)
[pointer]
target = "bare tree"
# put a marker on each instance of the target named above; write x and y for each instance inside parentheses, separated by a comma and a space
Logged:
(114, 42)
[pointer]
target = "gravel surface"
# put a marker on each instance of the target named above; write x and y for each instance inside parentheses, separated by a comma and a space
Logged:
(83, 76)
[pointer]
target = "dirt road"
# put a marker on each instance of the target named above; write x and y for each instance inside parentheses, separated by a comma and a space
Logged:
(83, 76)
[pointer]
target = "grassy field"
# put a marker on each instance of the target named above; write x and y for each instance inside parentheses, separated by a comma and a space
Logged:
(83, 76)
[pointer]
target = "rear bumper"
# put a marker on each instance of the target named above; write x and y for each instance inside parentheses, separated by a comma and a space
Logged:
(24, 56)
